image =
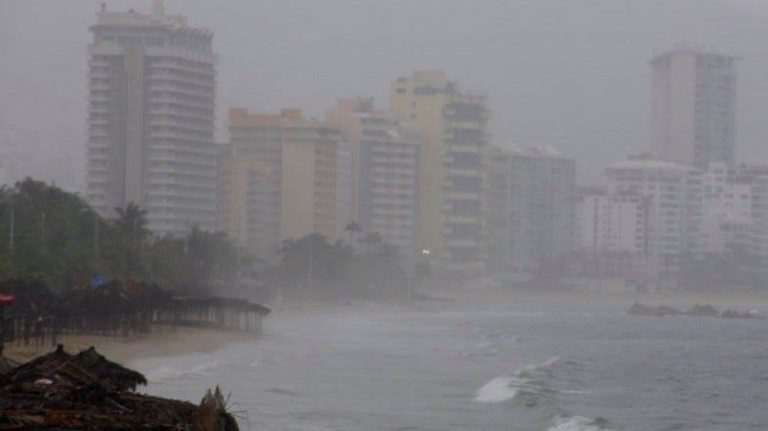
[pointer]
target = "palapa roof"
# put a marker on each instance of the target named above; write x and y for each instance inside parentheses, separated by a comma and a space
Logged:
(86, 368)
(110, 373)
(236, 303)
(60, 391)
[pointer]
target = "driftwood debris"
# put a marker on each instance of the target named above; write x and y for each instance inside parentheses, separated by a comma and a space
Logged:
(61, 391)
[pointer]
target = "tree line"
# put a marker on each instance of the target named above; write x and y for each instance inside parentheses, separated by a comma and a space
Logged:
(54, 237)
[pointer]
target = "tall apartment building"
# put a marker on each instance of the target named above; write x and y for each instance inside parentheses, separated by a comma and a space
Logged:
(529, 207)
(665, 196)
(734, 208)
(152, 83)
(498, 232)
(280, 177)
(453, 125)
(726, 210)
(385, 171)
(344, 187)
(542, 198)
(611, 223)
(611, 229)
(693, 107)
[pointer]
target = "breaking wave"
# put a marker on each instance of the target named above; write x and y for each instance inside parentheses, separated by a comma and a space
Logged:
(507, 387)
(498, 390)
(166, 373)
(579, 423)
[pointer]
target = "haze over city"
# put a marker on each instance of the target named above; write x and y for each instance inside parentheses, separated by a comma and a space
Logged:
(539, 62)
(532, 215)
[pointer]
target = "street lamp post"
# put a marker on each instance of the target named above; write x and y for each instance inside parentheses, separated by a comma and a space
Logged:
(411, 270)
(10, 237)
(309, 272)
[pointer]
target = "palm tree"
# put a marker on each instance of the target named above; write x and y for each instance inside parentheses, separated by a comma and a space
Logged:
(131, 230)
(132, 221)
(353, 228)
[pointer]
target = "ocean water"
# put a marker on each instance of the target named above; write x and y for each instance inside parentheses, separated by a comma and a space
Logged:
(501, 365)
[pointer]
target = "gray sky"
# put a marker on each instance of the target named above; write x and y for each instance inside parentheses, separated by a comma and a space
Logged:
(570, 73)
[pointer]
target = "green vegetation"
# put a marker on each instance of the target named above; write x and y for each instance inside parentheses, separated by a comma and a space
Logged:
(311, 267)
(54, 237)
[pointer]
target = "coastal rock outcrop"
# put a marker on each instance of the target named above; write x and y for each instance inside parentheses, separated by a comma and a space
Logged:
(698, 310)
(703, 311)
(638, 309)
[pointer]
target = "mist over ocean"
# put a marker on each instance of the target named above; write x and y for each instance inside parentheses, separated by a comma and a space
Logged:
(515, 365)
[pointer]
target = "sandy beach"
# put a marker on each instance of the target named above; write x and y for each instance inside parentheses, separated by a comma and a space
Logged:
(123, 350)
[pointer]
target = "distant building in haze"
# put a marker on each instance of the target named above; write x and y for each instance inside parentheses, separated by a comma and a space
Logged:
(453, 125)
(665, 196)
(611, 232)
(693, 107)
(152, 85)
(280, 179)
(530, 207)
(543, 183)
(385, 151)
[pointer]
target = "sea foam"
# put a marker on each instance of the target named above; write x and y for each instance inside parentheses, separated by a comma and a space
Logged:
(575, 423)
(498, 390)
(172, 373)
(505, 388)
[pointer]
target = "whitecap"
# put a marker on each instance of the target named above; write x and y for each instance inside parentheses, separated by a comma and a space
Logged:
(546, 364)
(505, 388)
(575, 423)
(498, 390)
(575, 392)
(172, 373)
(164, 373)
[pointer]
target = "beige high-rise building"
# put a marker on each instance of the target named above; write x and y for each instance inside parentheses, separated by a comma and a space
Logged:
(453, 125)
(384, 188)
(280, 179)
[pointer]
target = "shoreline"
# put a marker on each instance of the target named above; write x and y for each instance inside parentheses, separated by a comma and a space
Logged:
(122, 350)
(186, 340)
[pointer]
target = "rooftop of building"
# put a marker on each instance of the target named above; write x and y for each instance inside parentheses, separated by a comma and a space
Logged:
(241, 117)
(538, 150)
(690, 49)
(133, 19)
(647, 162)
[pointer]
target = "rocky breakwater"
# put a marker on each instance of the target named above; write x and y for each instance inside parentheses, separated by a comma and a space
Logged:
(698, 310)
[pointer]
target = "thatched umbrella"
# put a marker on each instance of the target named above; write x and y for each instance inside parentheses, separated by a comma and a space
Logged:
(111, 374)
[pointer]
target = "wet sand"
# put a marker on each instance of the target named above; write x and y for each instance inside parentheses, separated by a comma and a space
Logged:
(119, 349)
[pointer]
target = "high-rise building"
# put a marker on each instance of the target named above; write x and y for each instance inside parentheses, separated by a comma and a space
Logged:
(529, 207)
(666, 195)
(385, 175)
(541, 205)
(693, 107)
(726, 210)
(498, 186)
(152, 83)
(748, 191)
(344, 187)
(453, 125)
(280, 177)
(611, 231)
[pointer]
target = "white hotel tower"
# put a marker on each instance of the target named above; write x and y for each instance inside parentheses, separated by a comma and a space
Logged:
(152, 82)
